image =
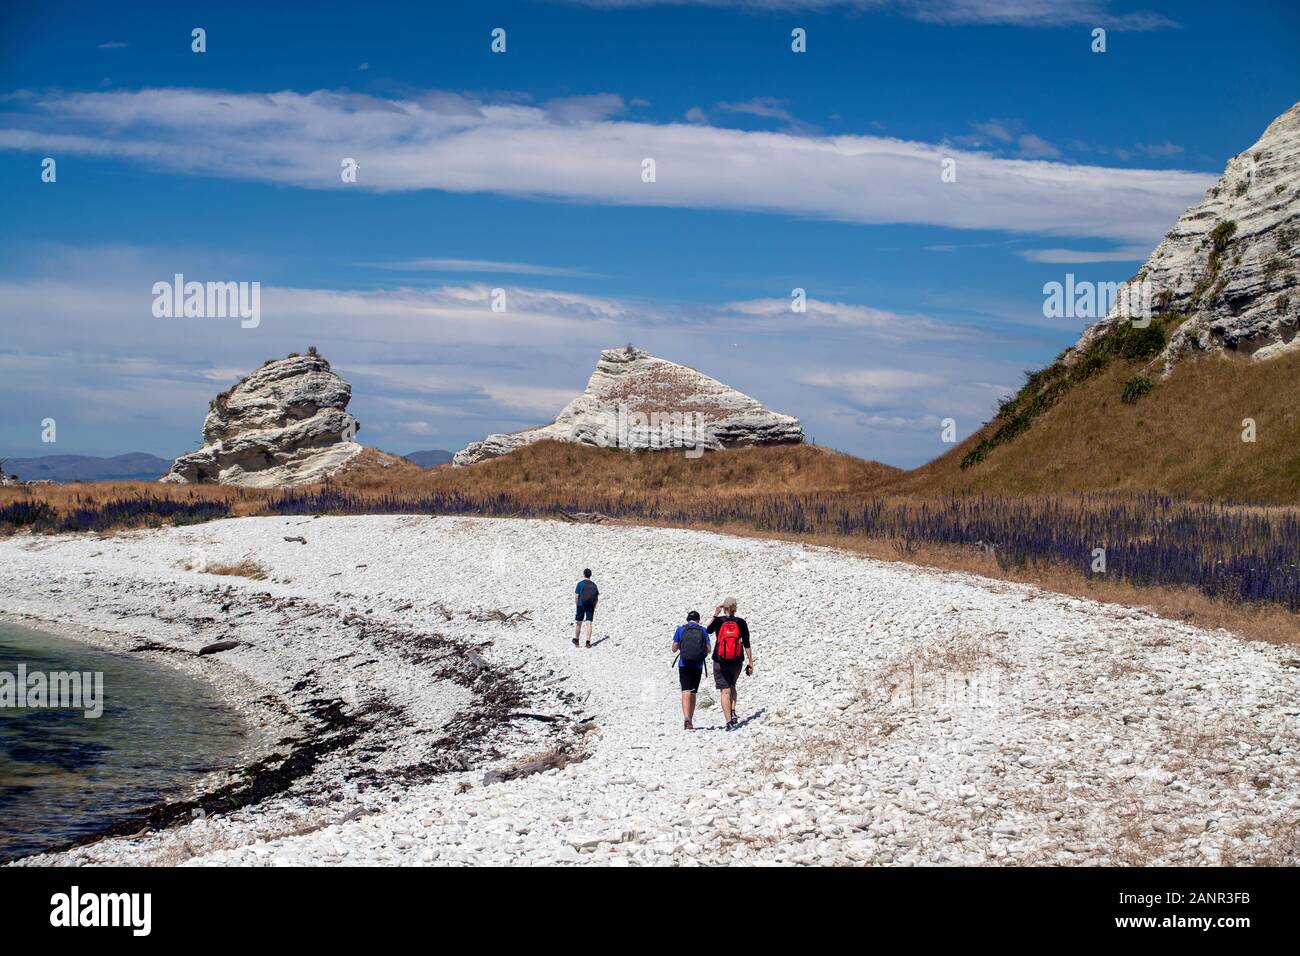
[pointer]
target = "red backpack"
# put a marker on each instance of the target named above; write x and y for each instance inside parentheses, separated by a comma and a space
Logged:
(730, 646)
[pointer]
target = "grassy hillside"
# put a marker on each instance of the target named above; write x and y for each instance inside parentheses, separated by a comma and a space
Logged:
(1182, 437)
(557, 470)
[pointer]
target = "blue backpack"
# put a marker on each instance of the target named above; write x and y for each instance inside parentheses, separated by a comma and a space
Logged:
(693, 645)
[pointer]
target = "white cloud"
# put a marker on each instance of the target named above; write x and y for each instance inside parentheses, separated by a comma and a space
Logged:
(585, 109)
(873, 379)
(776, 316)
(1123, 254)
(539, 401)
(416, 428)
(447, 141)
(900, 423)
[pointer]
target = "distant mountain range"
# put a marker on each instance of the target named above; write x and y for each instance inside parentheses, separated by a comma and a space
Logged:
(135, 466)
(427, 459)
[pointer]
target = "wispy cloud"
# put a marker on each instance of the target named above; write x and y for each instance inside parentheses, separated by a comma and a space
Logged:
(114, 45)
(1161, 151)
(766, 106)
(481, 266)
(435, 359)
(1124, 254)
(770, 108)
(451, 142)
(1009, 137)
(585, 109)
(1024, 13)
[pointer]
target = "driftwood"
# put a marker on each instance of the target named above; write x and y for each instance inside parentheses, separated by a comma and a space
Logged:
(585, 517)
(155, 646)
(218, 647)
(511, 617)
(539, 763)
(543, 717)
(299, 539)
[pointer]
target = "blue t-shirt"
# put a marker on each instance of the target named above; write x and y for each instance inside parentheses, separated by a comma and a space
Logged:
(587, 592)
(677, 640)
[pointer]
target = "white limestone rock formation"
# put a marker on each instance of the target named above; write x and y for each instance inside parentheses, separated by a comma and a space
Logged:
(1227, 269)
(635, 400)
(285, 424)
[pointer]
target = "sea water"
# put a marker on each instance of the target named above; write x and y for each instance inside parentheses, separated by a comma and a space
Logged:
(65, 775)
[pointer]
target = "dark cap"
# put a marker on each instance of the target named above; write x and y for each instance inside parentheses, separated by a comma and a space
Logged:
(693, 616)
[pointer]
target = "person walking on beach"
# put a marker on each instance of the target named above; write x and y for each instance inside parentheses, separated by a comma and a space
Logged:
(730, 652)
(585, 596)
(691, 642)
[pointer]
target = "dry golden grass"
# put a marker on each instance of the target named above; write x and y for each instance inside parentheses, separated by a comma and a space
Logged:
(1182, 439)
(247, 568)
(559, 471)
(548, 474)
(66, 497)
(380, 472)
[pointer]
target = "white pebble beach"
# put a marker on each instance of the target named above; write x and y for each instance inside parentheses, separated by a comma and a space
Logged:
(897, 715)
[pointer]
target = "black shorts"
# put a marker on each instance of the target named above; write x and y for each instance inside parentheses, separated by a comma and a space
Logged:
(585, 613)
(726, 673)
(689, 678)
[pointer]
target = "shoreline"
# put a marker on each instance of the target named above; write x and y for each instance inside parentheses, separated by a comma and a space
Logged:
(896, 715)
(302, 746)
(262, 726)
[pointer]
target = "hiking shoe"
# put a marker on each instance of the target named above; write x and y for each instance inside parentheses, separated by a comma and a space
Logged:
(589, 643)
(575, 642)
(687, 725)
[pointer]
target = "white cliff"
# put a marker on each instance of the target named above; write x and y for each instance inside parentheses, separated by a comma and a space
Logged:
(1226, 271)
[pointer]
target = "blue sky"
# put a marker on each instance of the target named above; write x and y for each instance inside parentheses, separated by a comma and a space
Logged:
(521, 170)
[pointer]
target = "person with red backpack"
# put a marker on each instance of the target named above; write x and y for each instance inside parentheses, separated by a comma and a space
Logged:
(691, 642)
(731, 651)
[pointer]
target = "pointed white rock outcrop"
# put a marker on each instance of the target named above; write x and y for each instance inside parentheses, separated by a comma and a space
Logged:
(635, 400)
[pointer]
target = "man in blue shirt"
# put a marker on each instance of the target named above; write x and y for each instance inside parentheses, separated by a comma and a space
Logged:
(585, 595)
(691, 642)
